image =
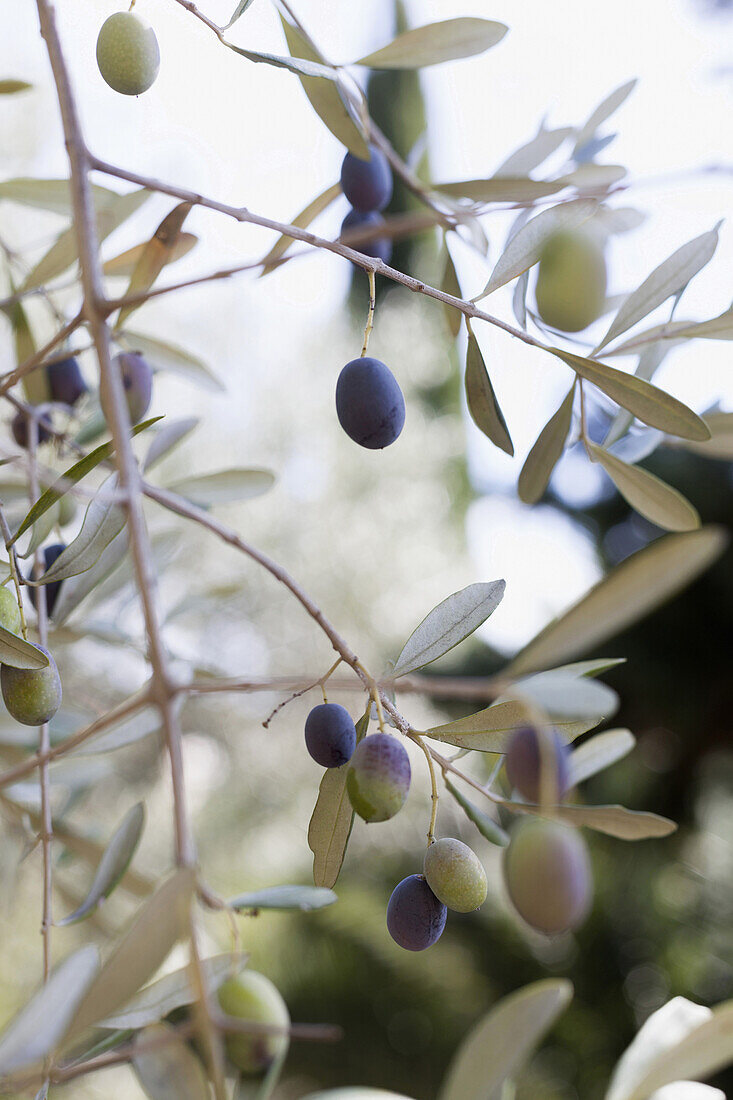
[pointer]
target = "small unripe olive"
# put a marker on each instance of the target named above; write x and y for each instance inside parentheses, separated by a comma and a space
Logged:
(548, 875)
(127, 53)
(32, 695)
(571, 280)
(378, 778)
(9, 611)
(253, 997)
(455, 875)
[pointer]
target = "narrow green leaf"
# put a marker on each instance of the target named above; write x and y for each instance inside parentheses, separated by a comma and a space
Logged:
(168, 357)
(326, 99)
(10, 87)
(161, 922)
(449, 284)
(302, 220)
(74, 475)
(435, 43)
(332, 819)
(614, 821)
(36, 1031)
(485, 824)
(670, 277)
(168, 438)
(603, 111)
(546, 452)
(482, 403)
(167, 1068)
(567, 693)
(594, 177)
(648, 494)
(113, 864)
(501, 189)
(77, 588)
(598, 753)
(645, 401)
(491, 729)
(15, 651)
(52, 195)
(642, 582)
(534, 152)
(449, 623)
(300, 66)
(42, 528)
(502, 1042)
(304, 898)
(650, 360)
(720, 444)
(525, 247)
(103, 521)
(123, 265)
(155, 255)
(223, 486)
(157, 1000)
(63, 252)
(238, 11)
(717, 328)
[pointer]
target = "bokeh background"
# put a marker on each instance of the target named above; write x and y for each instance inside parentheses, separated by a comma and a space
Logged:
(378, 539)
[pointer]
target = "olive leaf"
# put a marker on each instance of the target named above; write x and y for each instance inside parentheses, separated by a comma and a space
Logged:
(37, 1030)
(10, 87)
(160, 998)
(648, 494)
(103, 521)
(449, 284)
(77, 588)
(157, 252)
(533, 153)
(332, 820)
(325, 97)
(667, 279)
(598, 753)
(166, 1067)
(124, 264)
(435, 43)
(491, 729)
(485, 824)
(482, 403)
(168, 357)
(161, 922)
(614, 821)
(567, 693)
(300, 66)
(720, 444)
(53, 195)
(305, 898)
(302, 220)
(501, 189)
(15, 651)
(113, 864)
(73, 475)
(645, 401)
(501, 1042)
(223, 486)
(524, 249)
(603, 111)
(165, 440)
(448, 624)
(546, 452)
(640, 583)
(238, 11)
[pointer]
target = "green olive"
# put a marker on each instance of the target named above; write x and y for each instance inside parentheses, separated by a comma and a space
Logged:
(253, 997)
(455, 875)
(32, 695)
(571, 282)
(127, 53)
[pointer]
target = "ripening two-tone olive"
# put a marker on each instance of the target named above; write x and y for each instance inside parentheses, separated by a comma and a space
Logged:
(369, 403)
(253, 997)
(367, 184)
(32, 695)
(571, 280)
(455, 875)
(330, 735)
(378, 778)
(9, 611)
(415, 917)
(127, 53)
(548, 876)
(523, 762)
(137, 382)
(65, 381)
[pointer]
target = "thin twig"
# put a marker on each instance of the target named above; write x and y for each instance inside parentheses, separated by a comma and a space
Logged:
(370, 315)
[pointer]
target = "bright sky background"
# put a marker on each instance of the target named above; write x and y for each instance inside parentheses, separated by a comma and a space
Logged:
(245, 134)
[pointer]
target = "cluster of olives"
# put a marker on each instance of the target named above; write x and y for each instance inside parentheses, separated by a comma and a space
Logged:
(32, 695)
(571, 280)
(546, 865)
(127, 53)
(367, 184)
